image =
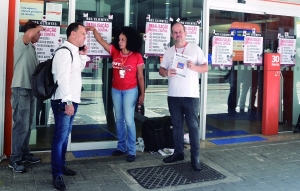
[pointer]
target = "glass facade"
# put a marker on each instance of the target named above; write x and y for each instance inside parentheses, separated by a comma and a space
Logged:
(234, 94)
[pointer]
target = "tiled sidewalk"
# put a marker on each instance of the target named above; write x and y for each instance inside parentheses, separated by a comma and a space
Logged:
(273, 165)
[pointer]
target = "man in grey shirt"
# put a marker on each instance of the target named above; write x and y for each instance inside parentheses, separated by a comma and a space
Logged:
(23, 102)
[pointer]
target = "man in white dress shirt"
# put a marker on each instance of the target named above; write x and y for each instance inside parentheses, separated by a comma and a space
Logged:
(66, 71)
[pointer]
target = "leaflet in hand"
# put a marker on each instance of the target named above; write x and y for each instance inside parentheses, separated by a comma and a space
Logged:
(180, 64)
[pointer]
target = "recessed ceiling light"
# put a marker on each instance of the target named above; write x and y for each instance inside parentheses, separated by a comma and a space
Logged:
(188, 12)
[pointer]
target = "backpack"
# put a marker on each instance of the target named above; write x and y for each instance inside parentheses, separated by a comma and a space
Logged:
(42, 83)
(153, 135)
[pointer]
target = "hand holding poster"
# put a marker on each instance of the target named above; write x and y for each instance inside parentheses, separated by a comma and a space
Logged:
(104, 27)
(222, 50)
(180, 64)
(49, 40)
(157, 36)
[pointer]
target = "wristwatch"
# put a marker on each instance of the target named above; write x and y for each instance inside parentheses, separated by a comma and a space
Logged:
(69, 102)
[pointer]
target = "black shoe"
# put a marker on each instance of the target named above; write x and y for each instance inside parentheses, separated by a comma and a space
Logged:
(59, 182)
(117, 153)
(196, 164)
(68, 172)
(31, 158)
(17, 166)
(173, 158)
(130, 158)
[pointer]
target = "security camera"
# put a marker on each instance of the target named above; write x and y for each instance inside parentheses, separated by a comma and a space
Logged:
(242, 1)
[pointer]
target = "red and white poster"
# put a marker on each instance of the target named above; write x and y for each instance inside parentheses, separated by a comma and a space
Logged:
(287, 50)
(157, 37)
(49, 40)
(253, 50)
(104, 27)
(192, 31)
(222, 50)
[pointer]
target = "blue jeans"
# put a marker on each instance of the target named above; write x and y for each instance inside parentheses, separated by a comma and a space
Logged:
(185, 108)
(23, 104)
(63, 128)
(124, 103)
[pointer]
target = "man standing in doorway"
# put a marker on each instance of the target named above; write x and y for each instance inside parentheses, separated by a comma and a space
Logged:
(66, 69)
(183, 94)
(23, 101)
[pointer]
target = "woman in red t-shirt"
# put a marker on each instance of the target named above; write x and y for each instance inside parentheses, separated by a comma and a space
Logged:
(127, 77)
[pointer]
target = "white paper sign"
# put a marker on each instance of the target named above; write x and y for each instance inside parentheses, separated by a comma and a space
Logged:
(157, 37)
(287, 50)
(253, 49)
(49, 40)
(104, 27)
(222, 51)
(54, 11)
(180, 64)
(31, 10)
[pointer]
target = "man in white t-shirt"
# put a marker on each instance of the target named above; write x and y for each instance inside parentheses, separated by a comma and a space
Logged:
(183, 94)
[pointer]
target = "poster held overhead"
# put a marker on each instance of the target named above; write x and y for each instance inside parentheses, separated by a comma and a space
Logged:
(49, 40)
(104, 27)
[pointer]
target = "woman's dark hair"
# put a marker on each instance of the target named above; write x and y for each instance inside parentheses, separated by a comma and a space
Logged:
(29, 25)
(134, 39)
(73, 27)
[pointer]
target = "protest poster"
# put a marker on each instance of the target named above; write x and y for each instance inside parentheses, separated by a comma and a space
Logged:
(104, 28)
(222, 50)
(287, 50)
(49, 40)
(253, 50)
(157, 36)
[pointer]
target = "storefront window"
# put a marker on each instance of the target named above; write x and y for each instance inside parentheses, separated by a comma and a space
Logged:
(236, 101)
(95, 114)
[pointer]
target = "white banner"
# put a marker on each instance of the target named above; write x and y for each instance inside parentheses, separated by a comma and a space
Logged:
(49, 40)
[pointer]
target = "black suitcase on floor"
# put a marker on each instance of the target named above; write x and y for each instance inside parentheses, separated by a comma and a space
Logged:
(168, 132)
(153, 135)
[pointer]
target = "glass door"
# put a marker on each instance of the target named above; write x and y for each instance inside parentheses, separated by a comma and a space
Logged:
(94, 124)
(234, 98)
